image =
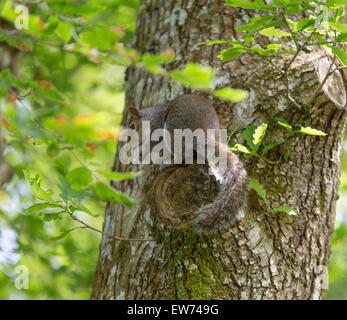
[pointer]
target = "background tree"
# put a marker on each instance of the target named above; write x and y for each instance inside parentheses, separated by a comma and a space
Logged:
(277, 256)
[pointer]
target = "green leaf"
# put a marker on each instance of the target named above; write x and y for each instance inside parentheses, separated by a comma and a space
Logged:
(101, 38)
(194, 75)
(342, 37)
(152, 62)
(38, 99)
(294, 7)
(248, 135)
(334, 4)
(256, 4)
(274, 46)
(268, 147)
(283, 123)
(79, 178)
(338, 26)
(248, 38)
(214, 42)
(231, 53)
(107, 193)
(51, 215)
(229, 94)
(50, 93)
(258, 188)
(320, 39)
(342, 54)
(119, 176)
(258, 135)
(67, 193)
(259, 51)
(53, 149)
(303, 24)
(312, 132)
(77, 206)
(285, 52)
(63, 31)
(41, 206)
(35, 184)
(274, 32)
(286, 209)
(287, 3)
(259, 23)
(63, 234)
(8, 12)
(82, 9)
(240, 148)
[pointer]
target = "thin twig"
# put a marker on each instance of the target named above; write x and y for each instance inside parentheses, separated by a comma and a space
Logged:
(286, 69)
(329, 73)
(300, 49)
(270, 161)
(109, 235)
(293, 58)
(21, 36)
(288, 93)
(256, 218)
(290, 30)
(28, 1)
(272, 64)
(77, 21)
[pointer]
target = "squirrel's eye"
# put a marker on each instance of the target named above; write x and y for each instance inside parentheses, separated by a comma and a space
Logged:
(132, 126)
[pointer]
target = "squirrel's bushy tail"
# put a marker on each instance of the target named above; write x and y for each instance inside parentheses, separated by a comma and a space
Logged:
(226, 208)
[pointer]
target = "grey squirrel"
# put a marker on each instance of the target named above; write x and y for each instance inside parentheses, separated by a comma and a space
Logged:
(192, 111)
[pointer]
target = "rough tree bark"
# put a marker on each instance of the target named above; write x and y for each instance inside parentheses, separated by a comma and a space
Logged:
(274, 257)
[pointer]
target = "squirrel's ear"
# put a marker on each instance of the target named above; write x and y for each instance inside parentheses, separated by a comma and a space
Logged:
(134, 113)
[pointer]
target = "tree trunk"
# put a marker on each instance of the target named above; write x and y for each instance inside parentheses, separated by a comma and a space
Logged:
(277, 256)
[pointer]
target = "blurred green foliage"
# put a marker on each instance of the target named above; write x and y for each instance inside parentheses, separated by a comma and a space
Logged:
(72, 83)
(60, 120)
(338, 263)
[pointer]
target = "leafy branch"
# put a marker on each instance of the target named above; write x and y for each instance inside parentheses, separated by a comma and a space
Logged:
(304, 33)
(68, 205)
(77, 181)
(259, 189)
(254, 136)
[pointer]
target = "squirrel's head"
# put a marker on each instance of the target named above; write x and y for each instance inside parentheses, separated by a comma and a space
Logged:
(136, 116)
(152, 117)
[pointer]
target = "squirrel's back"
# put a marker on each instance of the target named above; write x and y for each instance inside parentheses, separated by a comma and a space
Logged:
(192, 111)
